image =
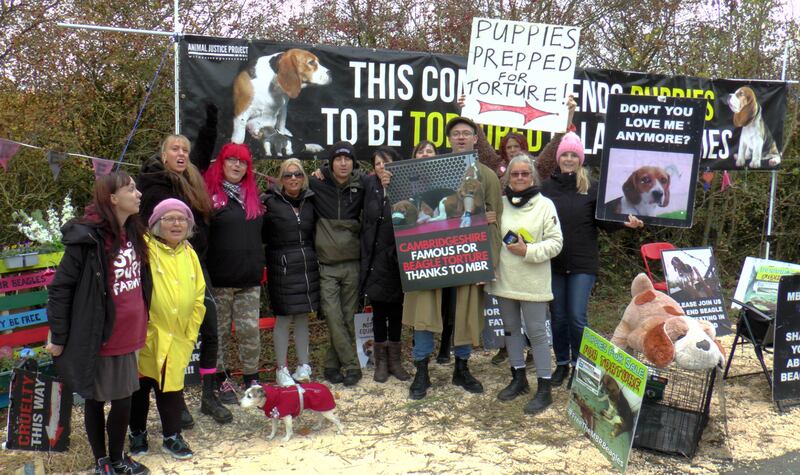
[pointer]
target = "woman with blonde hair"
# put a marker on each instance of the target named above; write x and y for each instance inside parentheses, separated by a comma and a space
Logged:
(172, 175)
(575, 269)
(292, 267)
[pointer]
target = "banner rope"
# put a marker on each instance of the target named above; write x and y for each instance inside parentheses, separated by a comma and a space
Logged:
(150, 88)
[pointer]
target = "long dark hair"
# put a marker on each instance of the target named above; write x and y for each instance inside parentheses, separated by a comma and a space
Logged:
(100, 213)
(190, 182)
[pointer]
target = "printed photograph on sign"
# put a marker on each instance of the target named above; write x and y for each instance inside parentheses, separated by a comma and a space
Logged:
(606, 397)
(439, 219)
(693, 282)
(519, 74)
(758, 283)
(365, 340)
(650, 160)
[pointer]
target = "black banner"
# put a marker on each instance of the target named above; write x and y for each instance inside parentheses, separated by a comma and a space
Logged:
(191, 375)
(786, 361)
(307, 100)
(39, 414)
(493, 335)
(650, 159)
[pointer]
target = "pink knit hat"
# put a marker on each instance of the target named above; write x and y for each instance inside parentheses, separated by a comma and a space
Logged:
(570, 142)
(170, 204)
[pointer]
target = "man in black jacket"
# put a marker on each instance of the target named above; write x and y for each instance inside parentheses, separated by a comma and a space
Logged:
(339, 202)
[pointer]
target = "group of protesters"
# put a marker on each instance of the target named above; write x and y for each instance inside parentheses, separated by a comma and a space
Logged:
(178, 253)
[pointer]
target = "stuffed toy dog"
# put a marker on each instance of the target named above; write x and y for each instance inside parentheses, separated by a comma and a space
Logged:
(655, 325)
(286, 403)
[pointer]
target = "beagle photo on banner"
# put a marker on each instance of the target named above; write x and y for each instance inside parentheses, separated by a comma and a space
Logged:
(651, 155)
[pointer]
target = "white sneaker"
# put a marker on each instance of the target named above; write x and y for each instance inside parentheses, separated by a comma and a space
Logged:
(283, 378)
(302, 373)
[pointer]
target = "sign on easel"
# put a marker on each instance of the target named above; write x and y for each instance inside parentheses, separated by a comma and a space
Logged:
(786, 360)
(519, 74)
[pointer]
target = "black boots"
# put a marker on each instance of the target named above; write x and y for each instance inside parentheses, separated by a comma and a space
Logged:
(395, 353)
(517, 386)
(210, 403)
(187, 421)
(541, 400)
(559, 375)
(381, 362)
(463, 378)
(419, 387)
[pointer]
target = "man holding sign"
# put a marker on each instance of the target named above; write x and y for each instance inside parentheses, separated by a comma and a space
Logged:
(463, 305)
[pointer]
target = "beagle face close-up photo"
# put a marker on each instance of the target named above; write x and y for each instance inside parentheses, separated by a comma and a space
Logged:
(261, 94)
(755, 142)
(645, 191)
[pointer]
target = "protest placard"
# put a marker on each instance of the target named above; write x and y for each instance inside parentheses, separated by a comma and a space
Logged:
(692, 280)
(606, 398)
(650, 159)
(439, 218)
(519, 74)
(786, 360)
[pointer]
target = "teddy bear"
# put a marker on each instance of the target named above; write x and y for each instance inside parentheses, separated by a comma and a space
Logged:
(655, 325)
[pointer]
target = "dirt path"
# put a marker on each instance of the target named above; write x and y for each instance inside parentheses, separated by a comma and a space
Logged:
(451, 431)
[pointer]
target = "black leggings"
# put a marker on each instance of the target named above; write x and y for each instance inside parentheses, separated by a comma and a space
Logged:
(116, 426)
(208, 329)
(169, 408)
(387, 320)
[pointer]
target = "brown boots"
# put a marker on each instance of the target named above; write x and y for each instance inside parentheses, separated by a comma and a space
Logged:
(388, 357)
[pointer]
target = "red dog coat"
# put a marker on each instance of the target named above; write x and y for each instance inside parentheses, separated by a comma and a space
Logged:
(282, 402)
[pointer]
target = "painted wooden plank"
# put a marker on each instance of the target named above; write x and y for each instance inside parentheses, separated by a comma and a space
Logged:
(23, 319)
(26, 299)
(24, 337)
(45, 260)
(28, 280)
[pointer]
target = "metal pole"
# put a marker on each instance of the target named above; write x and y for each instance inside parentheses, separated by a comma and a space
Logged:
(773, 184)
(178, 30)
(113, 28)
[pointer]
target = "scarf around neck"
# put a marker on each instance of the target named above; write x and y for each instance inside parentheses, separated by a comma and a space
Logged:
(234, 191)
(519, 199)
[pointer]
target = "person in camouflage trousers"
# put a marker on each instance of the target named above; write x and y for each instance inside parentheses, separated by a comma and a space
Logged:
(236, 260)
(240, 307)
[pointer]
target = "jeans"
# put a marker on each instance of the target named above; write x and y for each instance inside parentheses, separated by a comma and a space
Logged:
(423, 346)
(568, 310)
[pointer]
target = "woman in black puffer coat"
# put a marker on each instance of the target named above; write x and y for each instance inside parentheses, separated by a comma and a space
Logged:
(380, 274)
(292, 267)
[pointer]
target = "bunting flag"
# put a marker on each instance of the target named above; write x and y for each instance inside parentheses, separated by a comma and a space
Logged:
(55, 159)
(726, 181)
(102, 167)
(7, 151)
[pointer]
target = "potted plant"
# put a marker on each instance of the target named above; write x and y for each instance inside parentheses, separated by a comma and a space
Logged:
(44, 232)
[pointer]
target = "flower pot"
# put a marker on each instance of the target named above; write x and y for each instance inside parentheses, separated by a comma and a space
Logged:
(21, 260)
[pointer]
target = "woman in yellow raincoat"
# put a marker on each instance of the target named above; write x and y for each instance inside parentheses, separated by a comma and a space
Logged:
(176, 312)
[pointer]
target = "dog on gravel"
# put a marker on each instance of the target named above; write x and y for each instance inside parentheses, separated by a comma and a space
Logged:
(286, 403)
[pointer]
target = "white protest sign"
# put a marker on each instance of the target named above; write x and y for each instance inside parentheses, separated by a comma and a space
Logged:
(519, 74)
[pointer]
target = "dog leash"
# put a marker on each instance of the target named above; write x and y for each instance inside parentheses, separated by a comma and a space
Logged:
(300, 392)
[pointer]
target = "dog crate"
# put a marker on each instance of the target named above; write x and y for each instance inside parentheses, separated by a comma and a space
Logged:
(675, 410)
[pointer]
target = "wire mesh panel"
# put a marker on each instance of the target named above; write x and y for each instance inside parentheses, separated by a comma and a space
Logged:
(675, 410)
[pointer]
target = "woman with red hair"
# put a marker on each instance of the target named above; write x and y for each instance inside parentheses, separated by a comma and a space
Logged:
(511, 145)
(236, 258)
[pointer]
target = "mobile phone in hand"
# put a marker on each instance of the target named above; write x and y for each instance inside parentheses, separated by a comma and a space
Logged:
(510, 237)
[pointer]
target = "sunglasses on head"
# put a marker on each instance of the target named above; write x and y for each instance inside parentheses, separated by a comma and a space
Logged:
(293, 175)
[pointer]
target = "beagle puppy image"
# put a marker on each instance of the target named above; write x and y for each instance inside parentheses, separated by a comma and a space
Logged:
(279, 403)
(404, 213)
(755, 142)
(261, 94)
(618, 413)
(644, 192)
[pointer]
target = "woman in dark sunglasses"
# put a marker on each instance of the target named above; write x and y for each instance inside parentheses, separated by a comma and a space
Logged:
(292, 267)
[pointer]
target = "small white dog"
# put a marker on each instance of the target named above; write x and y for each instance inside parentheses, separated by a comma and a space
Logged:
(286, 403)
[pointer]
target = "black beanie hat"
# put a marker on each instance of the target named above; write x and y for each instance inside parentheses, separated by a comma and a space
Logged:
(342, 148)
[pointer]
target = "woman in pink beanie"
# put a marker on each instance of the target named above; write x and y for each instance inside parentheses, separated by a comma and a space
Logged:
(574, 270)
